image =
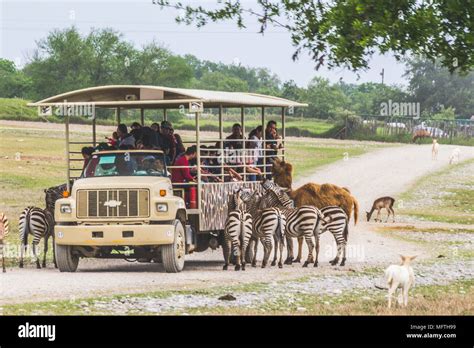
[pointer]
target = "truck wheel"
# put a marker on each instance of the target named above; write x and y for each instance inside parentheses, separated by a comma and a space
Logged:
(173, 254)
(67, 262)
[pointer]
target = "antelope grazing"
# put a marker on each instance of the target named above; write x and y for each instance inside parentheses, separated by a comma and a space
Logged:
(420, 134)
(434, 150)
(379, 203)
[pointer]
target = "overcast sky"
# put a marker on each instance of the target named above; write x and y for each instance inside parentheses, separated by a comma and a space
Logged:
(23, 22)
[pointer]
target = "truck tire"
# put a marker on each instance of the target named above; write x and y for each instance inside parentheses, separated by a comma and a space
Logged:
(173, 254)
(66, 260)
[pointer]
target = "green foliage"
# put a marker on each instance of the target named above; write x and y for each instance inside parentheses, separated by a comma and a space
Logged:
(347, 33)
(445, 114)
(13, 83)
(435, 88)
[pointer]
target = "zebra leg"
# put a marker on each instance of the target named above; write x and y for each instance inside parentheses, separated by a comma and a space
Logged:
(317, 249)
(255, 249)
(280, 264)
(243, 252)
(339, 251)
(3, 256)
(289, 248)
(22, 251)
(268, 250)
(35, 255)
(309, 242)
(300, 250)
(275, 254)
(226, 251)
(343, 261)
(236, 253)
(46, 239)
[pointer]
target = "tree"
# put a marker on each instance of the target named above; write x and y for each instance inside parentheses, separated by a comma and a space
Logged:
(13, 83)
(324, 98)
(347, 32)
(435, 88)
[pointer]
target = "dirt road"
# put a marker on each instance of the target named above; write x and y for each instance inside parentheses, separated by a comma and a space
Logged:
(383, 172)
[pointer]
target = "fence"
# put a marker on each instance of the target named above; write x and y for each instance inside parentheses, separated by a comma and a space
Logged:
(408, 126)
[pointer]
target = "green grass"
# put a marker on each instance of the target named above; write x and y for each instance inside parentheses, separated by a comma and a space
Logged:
(455, 206)
(456, 298)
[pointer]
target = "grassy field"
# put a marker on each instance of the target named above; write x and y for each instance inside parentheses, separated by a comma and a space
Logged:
(456, 298)
(446, 196)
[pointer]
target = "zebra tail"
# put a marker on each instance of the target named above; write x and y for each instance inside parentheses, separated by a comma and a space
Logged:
(346, 230)
(26, 229)
(280, 235)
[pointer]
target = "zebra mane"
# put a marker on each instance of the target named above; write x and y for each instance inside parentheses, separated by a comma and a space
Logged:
(274, 198)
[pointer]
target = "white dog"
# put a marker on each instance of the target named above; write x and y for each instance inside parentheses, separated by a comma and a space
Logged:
(434, 150)
(454, 158)
(400, 276)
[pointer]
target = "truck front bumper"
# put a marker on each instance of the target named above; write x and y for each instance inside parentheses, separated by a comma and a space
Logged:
(110, 235)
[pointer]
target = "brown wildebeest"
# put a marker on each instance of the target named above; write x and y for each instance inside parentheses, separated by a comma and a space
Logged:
(379, 203)
(420, 134)
(313, 194)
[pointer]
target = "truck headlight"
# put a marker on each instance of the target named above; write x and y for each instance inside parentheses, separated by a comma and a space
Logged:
(161, 207)
(65, 209)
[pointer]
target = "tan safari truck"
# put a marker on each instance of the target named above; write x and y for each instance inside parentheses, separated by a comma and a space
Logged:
(122, 207)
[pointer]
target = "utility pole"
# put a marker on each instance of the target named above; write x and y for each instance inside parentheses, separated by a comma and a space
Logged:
(382, 74)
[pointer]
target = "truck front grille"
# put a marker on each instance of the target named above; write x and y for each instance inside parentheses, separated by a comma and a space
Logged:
(113, 203)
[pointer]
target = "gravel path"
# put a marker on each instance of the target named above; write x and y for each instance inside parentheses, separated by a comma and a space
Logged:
(384, 172)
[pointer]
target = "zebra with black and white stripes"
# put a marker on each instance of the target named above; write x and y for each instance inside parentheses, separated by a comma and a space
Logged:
(237, 231)
(4, 230)
(38, 223)
(335, 221)
(52, 194)
(303, 222)
(268, 226)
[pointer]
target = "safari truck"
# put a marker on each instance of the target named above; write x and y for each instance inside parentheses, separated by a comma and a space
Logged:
(124, 204)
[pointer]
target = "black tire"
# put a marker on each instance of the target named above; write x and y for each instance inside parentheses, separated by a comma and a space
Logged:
(66, 260)
(173, 254)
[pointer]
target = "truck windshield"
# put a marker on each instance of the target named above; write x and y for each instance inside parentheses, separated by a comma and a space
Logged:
(126, 164)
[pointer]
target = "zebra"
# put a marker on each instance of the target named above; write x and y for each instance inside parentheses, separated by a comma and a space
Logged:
(335, 220)
(303, 222)
(4, 230)
(52, 194)
(237, 231)
(267, 224)
(40, 224)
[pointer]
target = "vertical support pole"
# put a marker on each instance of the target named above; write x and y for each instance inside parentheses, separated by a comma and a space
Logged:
(117, 115)
(142, 116)
(67, 155)
(198, 163)
(264, 136)
(221, 143)
(94, 133)
(165, 115)
(244, 153)
(283, 132)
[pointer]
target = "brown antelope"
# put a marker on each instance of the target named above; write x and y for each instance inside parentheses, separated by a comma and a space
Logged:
(379, 203)
(420, 134)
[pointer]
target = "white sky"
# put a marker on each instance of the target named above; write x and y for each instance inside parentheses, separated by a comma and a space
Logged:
(23, 22)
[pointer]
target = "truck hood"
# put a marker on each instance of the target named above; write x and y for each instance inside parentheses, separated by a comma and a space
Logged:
(112, 182)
